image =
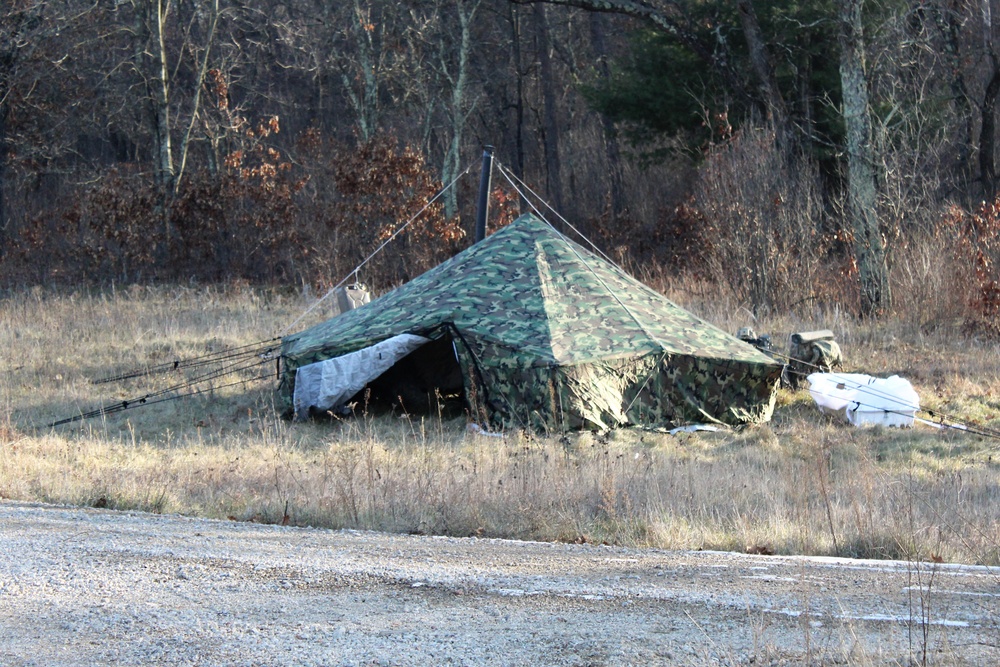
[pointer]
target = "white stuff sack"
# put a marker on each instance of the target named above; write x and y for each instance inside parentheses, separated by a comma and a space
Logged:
(866, 400)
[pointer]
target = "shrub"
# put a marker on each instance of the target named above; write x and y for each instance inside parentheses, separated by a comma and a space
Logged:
(262, 217)
(977, 262)
(760, 216)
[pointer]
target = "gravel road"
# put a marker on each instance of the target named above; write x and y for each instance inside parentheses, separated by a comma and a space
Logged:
(96, 587)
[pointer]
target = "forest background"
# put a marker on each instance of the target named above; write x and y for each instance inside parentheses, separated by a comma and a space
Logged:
(822, 153)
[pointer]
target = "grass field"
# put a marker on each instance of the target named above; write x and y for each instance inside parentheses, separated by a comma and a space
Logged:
(803, 484)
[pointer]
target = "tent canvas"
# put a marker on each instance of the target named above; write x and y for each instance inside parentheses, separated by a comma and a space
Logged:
(549, 336)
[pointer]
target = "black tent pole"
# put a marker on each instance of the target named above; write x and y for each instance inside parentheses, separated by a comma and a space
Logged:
(483, 207)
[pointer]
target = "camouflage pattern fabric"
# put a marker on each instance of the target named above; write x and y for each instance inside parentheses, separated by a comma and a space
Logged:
(551, 337)
(814, 356)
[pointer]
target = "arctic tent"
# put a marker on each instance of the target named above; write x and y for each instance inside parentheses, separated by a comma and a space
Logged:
(535, 332)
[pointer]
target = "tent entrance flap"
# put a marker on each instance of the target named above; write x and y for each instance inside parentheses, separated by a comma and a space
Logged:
(329, 384)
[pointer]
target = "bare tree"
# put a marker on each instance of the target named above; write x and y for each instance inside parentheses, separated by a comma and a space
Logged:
(364, 58)
(152, 66)
(454, 66)
(763, 67)
(862, 196)
(949, 23)
(762, 220)
(21, 32)
(550, 122)
(172, 44)
(612, 147)
(988, 106)
(673, 19)
(361, 83)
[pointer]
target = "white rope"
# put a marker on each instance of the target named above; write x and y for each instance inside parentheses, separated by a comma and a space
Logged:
(367, 259)
(513, 177)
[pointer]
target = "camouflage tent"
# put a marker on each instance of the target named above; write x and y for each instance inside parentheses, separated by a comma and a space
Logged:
(537, 332)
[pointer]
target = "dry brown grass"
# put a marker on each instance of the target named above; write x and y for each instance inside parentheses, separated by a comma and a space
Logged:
(801, 484)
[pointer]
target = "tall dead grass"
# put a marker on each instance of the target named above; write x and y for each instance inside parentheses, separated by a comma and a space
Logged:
(802, 484)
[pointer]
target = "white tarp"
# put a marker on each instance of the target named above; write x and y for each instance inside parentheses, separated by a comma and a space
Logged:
(329, 384)
(863, 399)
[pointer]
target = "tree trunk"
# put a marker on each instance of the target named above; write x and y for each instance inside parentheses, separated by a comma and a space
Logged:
(612, 148)
(367, 72)
(7, 59)
(3, 172)
(760, 61)
(516, 56)
(988, 108)
(21, 32)
(550, 124)
(805, 103)
(199, 85)
(161, 99)
(869, 249)
(948, 23)
(150, 51)
(987, 136)
(671, 21)
(459, 85)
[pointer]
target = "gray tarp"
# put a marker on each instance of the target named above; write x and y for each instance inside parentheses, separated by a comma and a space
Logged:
(328, 384)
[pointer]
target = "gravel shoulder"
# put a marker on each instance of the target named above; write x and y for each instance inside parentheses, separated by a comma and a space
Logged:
(96, 587)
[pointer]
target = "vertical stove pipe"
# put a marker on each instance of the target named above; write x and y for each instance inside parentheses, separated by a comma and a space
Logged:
(483, 207)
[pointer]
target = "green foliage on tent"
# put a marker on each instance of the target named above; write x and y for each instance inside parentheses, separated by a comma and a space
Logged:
(548, 336)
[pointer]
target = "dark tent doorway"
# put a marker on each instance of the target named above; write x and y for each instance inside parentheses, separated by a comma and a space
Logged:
(427, 381)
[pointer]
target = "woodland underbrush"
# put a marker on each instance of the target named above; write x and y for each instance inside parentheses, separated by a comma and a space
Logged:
(803, 484)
